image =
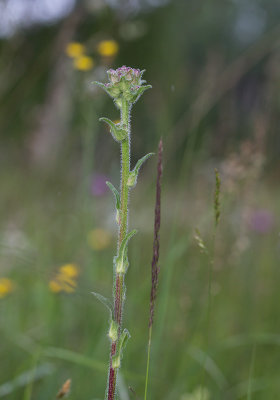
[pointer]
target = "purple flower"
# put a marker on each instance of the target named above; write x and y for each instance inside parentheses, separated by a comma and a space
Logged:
(129, 74)
(98, 185)
(125, 83)
(261, 221)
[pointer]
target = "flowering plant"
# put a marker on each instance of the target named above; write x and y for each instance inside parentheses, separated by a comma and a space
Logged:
(125, 87)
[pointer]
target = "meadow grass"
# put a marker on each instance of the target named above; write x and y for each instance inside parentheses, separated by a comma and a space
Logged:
(49, 337)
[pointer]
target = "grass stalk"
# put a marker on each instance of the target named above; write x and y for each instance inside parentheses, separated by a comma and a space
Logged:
(155, 265)
(148, 362)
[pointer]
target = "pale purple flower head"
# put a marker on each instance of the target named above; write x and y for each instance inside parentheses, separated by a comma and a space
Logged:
(125, 83)
(132, 75)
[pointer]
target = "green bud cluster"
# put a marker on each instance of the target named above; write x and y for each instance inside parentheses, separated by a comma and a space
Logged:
(125, 83)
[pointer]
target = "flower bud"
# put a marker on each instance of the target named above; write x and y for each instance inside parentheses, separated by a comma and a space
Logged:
(113, 76)
(124, 83)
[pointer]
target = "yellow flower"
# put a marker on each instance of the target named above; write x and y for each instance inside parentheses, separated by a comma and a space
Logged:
(69, 270)
(99, 239)
(62, 284)
(6, 287)
(108, 48)
(65, 280)
(83, 63)
(67, 284)
(55, 286)
(75, 49)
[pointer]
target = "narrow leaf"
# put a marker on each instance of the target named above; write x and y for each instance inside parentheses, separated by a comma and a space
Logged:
(101, 85)
(123, 246)
(141, 162)
(140, 91)
(121, 261)
(133, 175)
(142, 72)
(122, 343)
(106, 302)
(115, 193)
(118, 134)
(123, 340)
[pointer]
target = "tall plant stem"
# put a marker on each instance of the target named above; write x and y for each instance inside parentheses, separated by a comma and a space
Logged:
(148, 362)
(119, 286)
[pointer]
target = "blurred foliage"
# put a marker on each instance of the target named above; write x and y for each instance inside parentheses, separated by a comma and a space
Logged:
(213, 65)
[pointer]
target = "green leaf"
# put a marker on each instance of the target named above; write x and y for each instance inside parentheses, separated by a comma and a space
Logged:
(121, 260)
(123, 340)
(116, 359)
(118, 133)
(115, 193)
(141, 161)
(106, 302)
(133, 175)
(142, 72)
(123, 246)
(140, 91)
(102, 86)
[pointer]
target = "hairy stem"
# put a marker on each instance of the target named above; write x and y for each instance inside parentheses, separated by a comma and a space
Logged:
(119, 287)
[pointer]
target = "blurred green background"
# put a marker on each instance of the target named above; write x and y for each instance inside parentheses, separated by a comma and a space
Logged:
(214, 67)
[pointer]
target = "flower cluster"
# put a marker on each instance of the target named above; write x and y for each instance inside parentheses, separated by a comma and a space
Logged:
(125, 83)
(65, 279)
(108, 48)
(132, 75)
(83, 62)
